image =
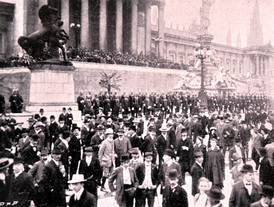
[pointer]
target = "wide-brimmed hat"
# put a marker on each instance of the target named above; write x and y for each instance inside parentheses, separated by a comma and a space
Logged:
(213, 128)
(235, 157)
(100, 127)
(215, 193)
(247, 168)
(5, 162)
(77, 178)
(109, 131)
(163, 128)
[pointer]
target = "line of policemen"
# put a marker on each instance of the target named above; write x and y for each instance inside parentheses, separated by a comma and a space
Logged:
(147, 104)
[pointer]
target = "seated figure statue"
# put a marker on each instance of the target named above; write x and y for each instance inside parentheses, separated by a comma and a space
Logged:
(44, 43)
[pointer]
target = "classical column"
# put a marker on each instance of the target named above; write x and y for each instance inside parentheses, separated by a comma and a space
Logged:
(148, 28)
(19, 25)
(103, 25)
(161, 27)
(134, 27)
(65, 14)
(85, 24)
(119, 25)
(257, 65)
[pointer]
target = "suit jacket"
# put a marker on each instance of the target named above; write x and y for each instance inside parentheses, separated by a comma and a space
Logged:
(86, 200)
(178, 198)
(52, 184)
(22, 144)
(122, 146)
(95, 142)
(37, 170)
(141, 172)
(29, 155)
(135, 141)
(21, 189)
(118, 176)
(239, 196)
(196, 172)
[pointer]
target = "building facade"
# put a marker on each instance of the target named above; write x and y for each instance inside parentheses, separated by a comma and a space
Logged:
(125, 26)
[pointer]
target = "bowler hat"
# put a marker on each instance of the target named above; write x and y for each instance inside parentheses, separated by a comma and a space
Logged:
(66, 134)
(18, 160)
(5, 162)
(215, 193)
(77, 178)
(148, 154)
(120, 131)
(134, 150)
(173, 174)
(56, 151)
(183, 129)
(44, 152)
(100, 127)
(124, 157)
(237, 140)
(247, 168)
(132, 128)
(89, 149)
(169, 152)
(152, 129)
(52, 117)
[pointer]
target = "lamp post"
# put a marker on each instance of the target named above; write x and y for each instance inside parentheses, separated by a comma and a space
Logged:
(76, 27)
(202, 51)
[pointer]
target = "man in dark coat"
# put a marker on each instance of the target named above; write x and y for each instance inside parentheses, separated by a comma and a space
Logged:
(81, 197)
(245, 192)
(30, 153)
(174, 195)
(5, 168)
(148, 180)
(237, 148)
(185, 153)
(53, 130)
(16, 102)
(126, 183)
(91, 169)
(197, 171)
(134, 139)
(149, 143)
(21, 186)
(215, 165)
(97, 139)
(53, 180)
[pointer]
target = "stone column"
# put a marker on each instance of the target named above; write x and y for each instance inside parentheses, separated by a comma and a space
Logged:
(65, 15)
(103, 25)
(134, 26)
(85, 24)
(148, 28)
(161, 27)
(19, 23)
(119, 25)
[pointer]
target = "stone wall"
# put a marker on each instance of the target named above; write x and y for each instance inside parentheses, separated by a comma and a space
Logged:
(134, 79)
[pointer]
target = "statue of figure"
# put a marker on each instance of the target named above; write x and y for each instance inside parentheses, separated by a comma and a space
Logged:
(205, 14)
(44, 43)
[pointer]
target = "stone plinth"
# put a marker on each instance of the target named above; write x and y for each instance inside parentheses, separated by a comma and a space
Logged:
(52, 88)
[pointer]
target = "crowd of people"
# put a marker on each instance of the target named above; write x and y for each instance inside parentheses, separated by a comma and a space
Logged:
(141, 145)
(115, 57)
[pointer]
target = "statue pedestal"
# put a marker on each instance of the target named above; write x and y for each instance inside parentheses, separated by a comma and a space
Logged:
(52, 88)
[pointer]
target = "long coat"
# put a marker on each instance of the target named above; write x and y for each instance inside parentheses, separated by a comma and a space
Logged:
(239, 196)
(52, 184)
(21, 189)
(196, 172)
(231, 152)
(215, 166)
(178, 198)
(86, 200)
(118, 176)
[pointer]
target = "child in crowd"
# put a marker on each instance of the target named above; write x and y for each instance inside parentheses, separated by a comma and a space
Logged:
(201, 198)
